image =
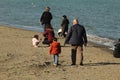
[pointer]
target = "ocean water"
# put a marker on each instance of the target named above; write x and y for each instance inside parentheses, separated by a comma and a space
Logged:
(101, 18)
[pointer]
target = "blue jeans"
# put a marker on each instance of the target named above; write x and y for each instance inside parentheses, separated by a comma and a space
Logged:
(56, 57)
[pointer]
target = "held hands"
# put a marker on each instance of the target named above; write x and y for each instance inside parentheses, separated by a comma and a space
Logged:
(85, 44)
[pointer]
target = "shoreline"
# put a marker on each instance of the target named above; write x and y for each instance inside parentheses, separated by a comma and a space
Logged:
(19, 60)
(19, 28)
(92, 44)
(91, 39)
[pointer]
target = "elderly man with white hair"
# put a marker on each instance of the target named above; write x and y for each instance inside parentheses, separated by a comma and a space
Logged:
(77, 38)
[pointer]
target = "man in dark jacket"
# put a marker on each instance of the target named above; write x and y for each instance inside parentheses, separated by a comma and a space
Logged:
(76, 37)
(46, 17)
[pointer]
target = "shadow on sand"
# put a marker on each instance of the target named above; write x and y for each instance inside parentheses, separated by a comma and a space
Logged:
(101, 64)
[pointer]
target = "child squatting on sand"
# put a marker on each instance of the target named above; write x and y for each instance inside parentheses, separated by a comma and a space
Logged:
(55, 50)
(35, 40)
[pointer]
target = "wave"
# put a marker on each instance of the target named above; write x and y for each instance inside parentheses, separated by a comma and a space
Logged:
(101, 41)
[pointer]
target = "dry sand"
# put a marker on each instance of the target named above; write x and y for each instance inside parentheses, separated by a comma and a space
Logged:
(19, 60)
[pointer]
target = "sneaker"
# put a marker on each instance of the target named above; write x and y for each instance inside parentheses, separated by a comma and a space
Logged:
(58, 64)
(55, 64)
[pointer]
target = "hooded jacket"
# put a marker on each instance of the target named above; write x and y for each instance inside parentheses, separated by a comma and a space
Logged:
(55, 48)
(49, 33)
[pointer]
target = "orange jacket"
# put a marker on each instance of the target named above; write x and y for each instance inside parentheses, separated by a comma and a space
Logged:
(55, 48)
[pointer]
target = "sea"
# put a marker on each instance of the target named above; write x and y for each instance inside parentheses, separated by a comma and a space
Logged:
(101, 18)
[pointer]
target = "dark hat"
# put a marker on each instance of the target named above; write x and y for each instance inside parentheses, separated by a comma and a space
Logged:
(64, 16)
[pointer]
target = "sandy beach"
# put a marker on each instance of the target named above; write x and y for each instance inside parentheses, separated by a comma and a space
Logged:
(19, 60)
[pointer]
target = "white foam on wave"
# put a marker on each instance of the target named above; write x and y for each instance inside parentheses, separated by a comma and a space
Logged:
(102, 41)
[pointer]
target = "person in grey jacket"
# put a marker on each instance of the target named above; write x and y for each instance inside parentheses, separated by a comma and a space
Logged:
(77, 38)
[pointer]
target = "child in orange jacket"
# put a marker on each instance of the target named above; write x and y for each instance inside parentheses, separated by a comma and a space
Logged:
(55, 50)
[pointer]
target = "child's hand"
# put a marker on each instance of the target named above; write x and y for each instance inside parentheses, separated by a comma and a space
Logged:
(40, 39)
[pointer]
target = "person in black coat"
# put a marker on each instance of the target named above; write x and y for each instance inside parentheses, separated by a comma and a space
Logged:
(77, 38)
(64, 25)
(46, 17)
(116, 52)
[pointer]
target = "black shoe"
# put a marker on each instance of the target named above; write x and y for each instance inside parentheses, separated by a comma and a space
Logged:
(58, 64)
(81, 64)
(73, 64)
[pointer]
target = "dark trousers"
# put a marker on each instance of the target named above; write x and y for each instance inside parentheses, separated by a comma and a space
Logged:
(74, 52)
(45, 41)
(73, 56)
